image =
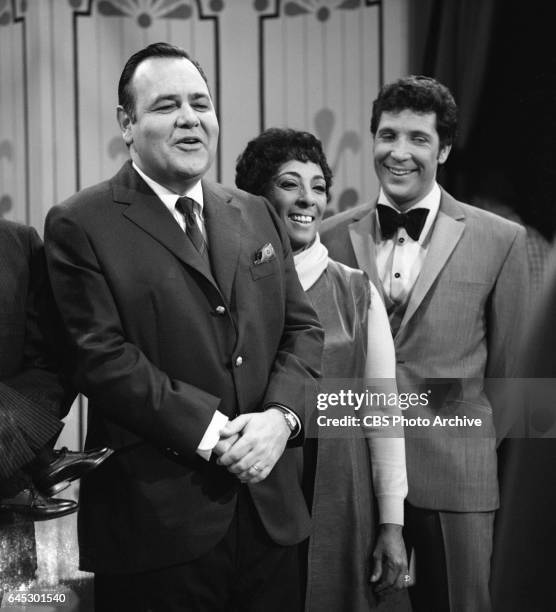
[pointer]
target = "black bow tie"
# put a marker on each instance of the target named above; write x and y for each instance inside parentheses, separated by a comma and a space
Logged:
(390, 221)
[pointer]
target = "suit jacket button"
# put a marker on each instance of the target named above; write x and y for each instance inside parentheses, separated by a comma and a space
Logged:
(220, 310)
(239, 361)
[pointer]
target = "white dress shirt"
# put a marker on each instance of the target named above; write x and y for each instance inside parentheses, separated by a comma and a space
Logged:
(399, 259)
(169, 199)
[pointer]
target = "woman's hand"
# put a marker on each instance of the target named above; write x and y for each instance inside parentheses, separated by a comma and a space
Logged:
(390, 571)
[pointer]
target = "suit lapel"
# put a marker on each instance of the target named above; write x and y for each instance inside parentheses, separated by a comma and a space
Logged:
(362, 232)
(146, 210)
(446, 233)
(223, 221)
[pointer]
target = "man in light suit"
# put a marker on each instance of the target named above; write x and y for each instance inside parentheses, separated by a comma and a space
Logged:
(454, 280)
(198, 352)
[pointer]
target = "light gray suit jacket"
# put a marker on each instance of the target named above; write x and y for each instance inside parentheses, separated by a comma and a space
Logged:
(461, 326)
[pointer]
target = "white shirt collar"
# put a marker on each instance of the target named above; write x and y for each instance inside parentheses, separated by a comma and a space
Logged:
(169, 197)
(431, 201)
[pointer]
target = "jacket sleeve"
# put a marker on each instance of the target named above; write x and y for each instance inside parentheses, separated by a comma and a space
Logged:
(37, 395)
(508, 310)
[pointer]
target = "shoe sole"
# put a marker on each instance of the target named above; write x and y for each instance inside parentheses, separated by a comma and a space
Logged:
(56, 488)
(32, 516)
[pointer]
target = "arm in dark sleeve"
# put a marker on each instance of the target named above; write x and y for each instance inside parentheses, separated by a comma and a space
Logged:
(41, 379)
(34, 395)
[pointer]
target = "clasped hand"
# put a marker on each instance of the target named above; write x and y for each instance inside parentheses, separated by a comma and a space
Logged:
(252, 443)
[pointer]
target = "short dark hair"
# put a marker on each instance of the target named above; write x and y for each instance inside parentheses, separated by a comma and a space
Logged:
(421, 94)
(263, 156)
(126, 97)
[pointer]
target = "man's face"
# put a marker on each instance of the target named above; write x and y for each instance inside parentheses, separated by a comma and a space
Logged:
(407, 153)
(174, 135)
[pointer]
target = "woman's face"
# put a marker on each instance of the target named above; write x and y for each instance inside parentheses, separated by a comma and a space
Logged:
(298, 193)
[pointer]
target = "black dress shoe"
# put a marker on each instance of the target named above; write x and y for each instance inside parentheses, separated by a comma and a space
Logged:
(31, 504)
(68, 466)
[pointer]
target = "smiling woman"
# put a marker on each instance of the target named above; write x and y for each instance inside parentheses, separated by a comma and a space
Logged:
(290, 169)
(299, 194)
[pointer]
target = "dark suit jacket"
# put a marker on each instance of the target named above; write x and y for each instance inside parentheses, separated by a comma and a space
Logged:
(33, 398)
(156, 358)
(461, 324)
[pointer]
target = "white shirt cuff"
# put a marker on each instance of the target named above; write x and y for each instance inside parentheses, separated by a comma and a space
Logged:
(212, 435)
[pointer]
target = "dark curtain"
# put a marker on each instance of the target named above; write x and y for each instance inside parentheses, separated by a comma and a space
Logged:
(454, 49)
(451, 41)
(499, 60)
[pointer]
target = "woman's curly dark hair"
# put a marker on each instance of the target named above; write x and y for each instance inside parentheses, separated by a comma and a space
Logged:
(263, 156)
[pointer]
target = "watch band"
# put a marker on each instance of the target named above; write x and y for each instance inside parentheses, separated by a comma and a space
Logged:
(292, 421)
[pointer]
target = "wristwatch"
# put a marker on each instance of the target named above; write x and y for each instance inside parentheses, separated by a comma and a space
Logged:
(291, 421)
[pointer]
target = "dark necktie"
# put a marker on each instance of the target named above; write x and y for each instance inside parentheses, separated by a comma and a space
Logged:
(390, 221)
(187, 206)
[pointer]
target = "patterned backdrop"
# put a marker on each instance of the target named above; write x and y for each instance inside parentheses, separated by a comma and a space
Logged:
(311, 64)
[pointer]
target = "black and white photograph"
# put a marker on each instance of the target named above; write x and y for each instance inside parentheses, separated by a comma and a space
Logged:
(277, 294)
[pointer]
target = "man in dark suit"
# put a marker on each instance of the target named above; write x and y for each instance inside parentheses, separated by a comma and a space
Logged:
(454, 280)
(34, 397)
(193, 342)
